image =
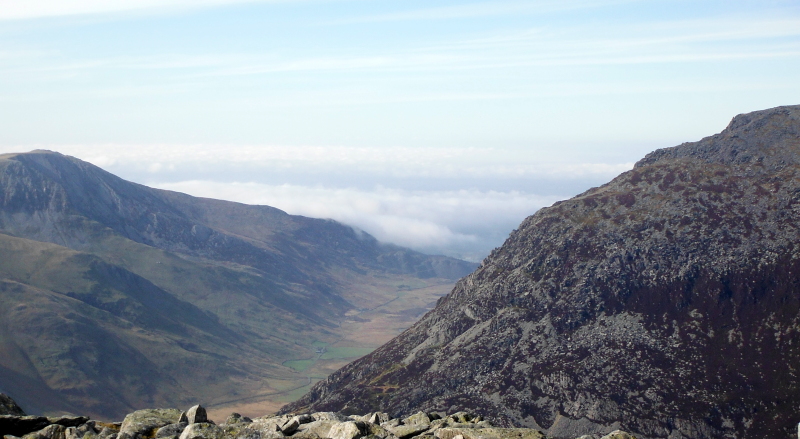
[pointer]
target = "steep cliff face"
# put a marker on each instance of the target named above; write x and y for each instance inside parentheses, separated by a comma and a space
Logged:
(666, 302)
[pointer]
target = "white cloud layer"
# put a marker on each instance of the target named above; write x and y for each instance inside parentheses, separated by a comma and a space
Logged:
(461, 202)
(452, 222)
(442, 162)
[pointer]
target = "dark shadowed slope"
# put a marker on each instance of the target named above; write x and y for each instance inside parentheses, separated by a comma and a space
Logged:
(115, 296)
(666, 302)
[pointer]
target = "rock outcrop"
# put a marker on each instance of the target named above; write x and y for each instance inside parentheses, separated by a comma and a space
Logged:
(665, 303)
(173, 424)
(9, 407)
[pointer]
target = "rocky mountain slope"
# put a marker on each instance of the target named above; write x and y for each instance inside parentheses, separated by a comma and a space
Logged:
(665, 303)
(115, 296)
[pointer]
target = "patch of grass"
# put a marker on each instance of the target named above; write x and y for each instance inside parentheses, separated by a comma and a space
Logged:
(299, 365)
(319, 344)
(345, 352)
(295, 394)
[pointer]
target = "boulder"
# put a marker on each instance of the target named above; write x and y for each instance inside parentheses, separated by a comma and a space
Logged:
(490, 433)
(618, 434)
(107, 430)
(203, 431)
(405, 431)
(9, 407)
(328, 416)
(171, 431)
(290, 426)
(345, 430)
(196, 415)
(53, 431)
(375, 430)
(21, 425)
(68, 421)
(315, 429)
(378, 418)
(419, 418)
(144, 423)
(236, 418)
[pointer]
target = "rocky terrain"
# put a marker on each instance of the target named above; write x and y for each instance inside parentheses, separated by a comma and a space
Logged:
(194, 424)
(665, 303)
(115, 296)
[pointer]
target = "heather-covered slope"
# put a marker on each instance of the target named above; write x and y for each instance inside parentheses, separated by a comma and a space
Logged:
(666, 302)
(115, 296)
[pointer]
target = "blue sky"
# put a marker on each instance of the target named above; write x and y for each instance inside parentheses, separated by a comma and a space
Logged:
(438, 125)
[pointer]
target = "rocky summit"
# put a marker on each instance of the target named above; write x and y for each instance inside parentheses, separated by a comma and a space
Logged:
(665, 303)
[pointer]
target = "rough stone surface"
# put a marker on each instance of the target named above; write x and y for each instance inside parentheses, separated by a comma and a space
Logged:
(236, 418)
(53, 431)
(144, 423)
(489, 433)
(345, 430)
(9, 407)
(171, 431)
(664, 302)
(21, 425)
(196, 415)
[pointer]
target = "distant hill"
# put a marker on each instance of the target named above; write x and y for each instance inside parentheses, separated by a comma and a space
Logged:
(665, 303)
(116, 296)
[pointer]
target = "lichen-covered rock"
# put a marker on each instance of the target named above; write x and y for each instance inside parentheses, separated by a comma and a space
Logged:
(406, 431)
(316, 429)
(53, 431)
(345, 430)
(144, 423)
(419, 418)
(68, 421)
(203, 431)
(171, 431)
(236, 418)
(618, 434)
(489, 433)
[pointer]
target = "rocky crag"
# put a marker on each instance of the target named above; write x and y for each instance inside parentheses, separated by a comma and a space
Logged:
(665, 303)
(194, 424)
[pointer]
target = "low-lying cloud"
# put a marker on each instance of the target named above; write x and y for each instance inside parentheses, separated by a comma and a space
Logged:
(464, 223)
(460, 202)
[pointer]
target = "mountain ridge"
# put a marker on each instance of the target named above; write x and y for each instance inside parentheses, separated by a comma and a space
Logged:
(206, 298)
(603, 309)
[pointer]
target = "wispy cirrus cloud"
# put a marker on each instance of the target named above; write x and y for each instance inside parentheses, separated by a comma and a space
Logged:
(16, 10)
(480, 9)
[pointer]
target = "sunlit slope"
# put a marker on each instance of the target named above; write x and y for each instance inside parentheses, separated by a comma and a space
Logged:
(117, 296)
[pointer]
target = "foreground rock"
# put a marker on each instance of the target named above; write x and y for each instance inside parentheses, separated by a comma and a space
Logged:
(193, 424)
(9, 407)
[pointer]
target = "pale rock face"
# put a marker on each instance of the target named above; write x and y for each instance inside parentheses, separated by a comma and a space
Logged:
(196, 415)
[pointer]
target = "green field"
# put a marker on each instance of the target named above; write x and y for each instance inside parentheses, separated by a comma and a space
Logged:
(333, 353)
(299, 365)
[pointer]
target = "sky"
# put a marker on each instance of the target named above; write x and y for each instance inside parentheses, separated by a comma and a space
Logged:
(438, 125)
